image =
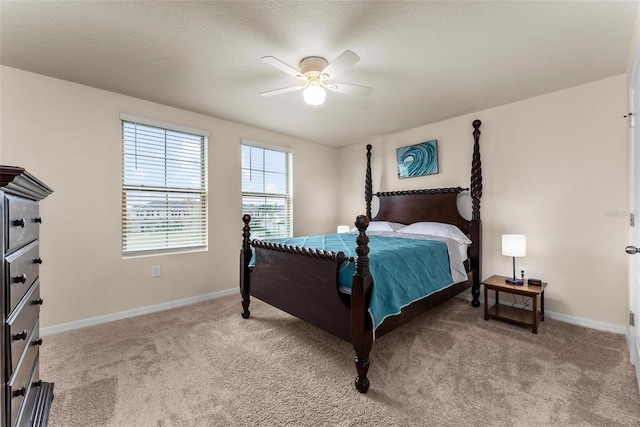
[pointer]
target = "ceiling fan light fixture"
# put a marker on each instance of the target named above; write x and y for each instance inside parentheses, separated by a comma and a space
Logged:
(314, 94)
(315, 71)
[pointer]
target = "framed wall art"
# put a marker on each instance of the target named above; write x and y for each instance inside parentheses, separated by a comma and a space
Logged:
(417, 160)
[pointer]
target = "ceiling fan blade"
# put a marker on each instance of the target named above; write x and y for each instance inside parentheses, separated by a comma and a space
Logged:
(349, 89)
(275, 62)
(283, 90)
(340, 64)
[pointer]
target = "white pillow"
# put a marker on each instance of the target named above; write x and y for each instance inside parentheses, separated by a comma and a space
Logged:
(436, 229)
(381, 226)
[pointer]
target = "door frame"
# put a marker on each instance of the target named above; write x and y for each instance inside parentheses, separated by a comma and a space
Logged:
(633, 336)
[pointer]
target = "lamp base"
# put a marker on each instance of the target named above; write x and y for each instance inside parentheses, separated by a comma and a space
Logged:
(514, 281)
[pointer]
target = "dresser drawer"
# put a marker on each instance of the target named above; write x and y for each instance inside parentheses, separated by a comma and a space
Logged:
(20, 385)
(24, 218)
(24, 269)
(26, 416)
(21, 325)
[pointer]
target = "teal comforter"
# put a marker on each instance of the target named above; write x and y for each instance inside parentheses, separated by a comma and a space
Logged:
(403, 270)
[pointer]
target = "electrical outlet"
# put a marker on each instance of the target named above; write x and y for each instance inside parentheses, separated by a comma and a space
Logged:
(523, 272)
(155, 271)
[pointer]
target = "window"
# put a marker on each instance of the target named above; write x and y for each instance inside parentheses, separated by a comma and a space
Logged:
(266, 191)
(164, 187)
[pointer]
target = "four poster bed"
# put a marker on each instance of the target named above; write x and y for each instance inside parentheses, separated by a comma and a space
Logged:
(309, 281)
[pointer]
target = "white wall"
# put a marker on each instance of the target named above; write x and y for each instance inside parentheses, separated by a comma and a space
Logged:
(555, 168)
(69, 136)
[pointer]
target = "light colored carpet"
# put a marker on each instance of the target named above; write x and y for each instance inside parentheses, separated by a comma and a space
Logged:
(203, 365)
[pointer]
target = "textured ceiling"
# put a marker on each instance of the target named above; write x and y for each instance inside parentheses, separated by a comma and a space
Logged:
(426, 61)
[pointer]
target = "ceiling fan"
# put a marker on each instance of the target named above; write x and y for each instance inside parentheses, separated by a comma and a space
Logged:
(315, 71)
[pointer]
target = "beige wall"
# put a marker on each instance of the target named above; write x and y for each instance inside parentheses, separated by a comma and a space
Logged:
(69, 136)
(555, 168)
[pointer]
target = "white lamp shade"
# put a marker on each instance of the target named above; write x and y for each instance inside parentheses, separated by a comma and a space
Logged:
(343, 229)
(314, 95)
(514, 245)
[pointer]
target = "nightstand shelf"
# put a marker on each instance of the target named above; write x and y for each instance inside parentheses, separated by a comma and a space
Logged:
(514, 314)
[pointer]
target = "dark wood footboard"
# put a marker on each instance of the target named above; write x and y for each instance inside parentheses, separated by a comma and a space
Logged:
(303, 282)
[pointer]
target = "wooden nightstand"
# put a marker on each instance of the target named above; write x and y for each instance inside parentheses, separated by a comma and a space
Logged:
(513, 314)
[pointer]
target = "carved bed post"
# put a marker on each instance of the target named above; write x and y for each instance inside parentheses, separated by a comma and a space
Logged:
(361, 325)
(245, 272)
(368, 187)
(476, 194)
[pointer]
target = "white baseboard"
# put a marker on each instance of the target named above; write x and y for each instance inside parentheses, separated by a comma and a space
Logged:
(64, 327)
(593, 324)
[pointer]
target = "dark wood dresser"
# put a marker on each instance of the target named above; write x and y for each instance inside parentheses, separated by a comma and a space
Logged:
(26, 399)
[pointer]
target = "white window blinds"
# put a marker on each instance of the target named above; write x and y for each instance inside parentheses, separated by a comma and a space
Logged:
(164, 188)
(266, 191)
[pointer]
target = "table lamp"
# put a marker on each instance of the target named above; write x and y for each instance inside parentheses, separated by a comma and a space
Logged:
(514, 245)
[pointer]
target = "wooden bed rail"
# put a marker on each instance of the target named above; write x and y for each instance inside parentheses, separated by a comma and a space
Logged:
(339, 257)
(423, 191)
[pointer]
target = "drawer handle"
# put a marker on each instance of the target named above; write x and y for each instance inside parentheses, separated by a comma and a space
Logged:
(37, 260)
(38, 220)
(20, 279)
(37, 342)
(19, 336)
(38, 301)
(20, 392)
(19, 222)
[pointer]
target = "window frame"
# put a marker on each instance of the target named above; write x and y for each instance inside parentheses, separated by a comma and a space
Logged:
(144, 189)
(288, 196)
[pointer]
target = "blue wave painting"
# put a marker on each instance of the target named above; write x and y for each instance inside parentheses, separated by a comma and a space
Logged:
(417, 160)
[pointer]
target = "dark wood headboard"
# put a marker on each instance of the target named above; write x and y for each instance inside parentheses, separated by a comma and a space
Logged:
(437, 205)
